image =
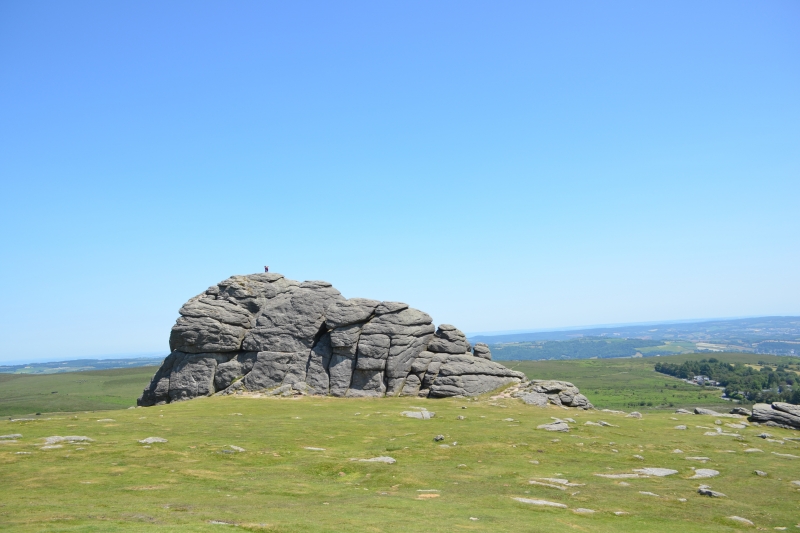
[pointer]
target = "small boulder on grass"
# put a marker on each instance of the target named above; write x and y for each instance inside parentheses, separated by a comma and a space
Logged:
(152, 440)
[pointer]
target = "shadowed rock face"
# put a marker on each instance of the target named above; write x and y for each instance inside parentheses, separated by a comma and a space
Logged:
(263, 332)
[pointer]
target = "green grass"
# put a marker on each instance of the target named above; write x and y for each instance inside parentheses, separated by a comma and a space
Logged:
(116, 484)
(632, 383)
(22, 394)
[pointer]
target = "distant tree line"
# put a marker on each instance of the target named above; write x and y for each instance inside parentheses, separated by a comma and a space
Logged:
(583, 348)
(741, 382)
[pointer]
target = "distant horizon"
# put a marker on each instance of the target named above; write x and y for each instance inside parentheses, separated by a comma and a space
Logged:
(162, 354)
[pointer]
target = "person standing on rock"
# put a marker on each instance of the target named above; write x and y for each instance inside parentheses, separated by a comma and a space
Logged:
(266, 269)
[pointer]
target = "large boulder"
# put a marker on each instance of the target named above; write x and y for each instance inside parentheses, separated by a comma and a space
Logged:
(265, 333)
(540, 392)
(778, 414)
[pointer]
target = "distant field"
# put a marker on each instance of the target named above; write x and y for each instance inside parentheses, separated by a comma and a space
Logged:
(632, 383)
(609, 383)
(22, 394)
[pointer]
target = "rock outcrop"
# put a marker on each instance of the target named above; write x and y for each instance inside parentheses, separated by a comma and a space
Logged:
(266, 333)
(779, 414)
(540, 392)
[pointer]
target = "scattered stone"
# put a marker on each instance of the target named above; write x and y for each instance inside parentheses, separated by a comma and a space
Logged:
(703, 459)
(702, 411)
(741, 520)
(554, 426)
(508, 420)
(680, 427)
(421, 415)
(676, 450)
(701, 473)
(741, 411)
(561, 481)
(795, 483)
(13, 436)
(646, 493)
(683, 412)
(540, 502)
(550, 485)
(618, 476)
(620, 513)
(152, 440)
(752, 450)
(623, 484)
(787, 455)
(438, 438)
(461, 417)
(682, 499)
(382, 459)
(582, 510)
(22, 453)
(106, 420)
(706, 491)
(70, 438)
(51, 447)
(765, 435)
(313, 449)
(736, 426)
(760, 473)
(473, 518)
(658, 472)
(236, 448)
(634, 414)
(638, 457)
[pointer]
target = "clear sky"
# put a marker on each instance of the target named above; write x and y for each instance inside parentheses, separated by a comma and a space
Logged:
(499, 165)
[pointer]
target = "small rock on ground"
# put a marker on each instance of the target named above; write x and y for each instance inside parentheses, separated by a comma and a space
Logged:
(152, 440)
(70, 438)
(381, 459)
(540, 502)
(12, 436)
(634, 414)
(658, 472)
(760, 473)
(711, 493)
(421, 415)
(554, 426)
(741, 520)
(701, 473)
(313, 449)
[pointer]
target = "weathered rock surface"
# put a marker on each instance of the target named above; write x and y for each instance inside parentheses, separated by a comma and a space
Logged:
(265, 333)
(540, 392)
(777, 414)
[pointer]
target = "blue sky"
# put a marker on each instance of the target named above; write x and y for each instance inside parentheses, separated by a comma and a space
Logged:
(502, 166)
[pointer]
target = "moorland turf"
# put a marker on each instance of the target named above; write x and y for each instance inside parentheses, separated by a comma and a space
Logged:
(186, 484)
(190, 482)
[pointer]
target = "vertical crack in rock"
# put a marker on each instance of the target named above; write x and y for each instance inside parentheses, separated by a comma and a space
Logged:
(264, 332)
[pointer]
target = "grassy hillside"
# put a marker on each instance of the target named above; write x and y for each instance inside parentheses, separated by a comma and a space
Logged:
(72, 391)
(633, 383)
(190, 483)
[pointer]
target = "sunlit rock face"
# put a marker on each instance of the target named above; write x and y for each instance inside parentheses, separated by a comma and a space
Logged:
(266, 333)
